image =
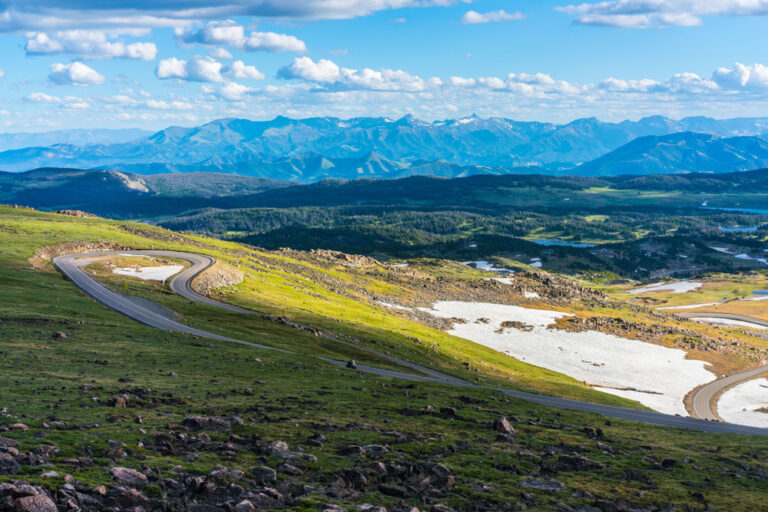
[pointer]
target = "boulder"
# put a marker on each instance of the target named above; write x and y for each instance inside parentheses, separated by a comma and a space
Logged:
(8, 465)
(541, 484)
(503, 426)
(38, 503)
(128, 477)
(263, 474)
(216, 423)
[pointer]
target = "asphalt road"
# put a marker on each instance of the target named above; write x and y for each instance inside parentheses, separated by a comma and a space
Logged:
(704, 399)
(726, 316)
(198, 263)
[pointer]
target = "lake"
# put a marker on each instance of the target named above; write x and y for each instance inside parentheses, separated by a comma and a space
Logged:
(561, 243)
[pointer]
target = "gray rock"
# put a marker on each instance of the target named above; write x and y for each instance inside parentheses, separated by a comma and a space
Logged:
(128, 477)
(263, 474)
(8, 465)
(503, 426)
(542, 484)
(39, 503)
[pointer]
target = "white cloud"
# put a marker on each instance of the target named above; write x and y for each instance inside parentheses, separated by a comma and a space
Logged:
(67, 102)
(220, 53)
(474, 17)
(75, 73)
(87, 44)
(169, 105)
(328, 72)
(239, 69)
(41, 97)
(304, 68)
(197, 69)
(660, 13)
(741, 77)
(233, 91)
(232, 34)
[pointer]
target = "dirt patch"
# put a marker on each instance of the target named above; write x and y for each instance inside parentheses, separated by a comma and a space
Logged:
(217, 276)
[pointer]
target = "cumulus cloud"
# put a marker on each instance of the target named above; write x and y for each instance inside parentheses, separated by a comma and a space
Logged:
(66, 102)
(220, 53)
(232, 34)
(75, 73)
(325, 71)
(233, 91)
(304, 68)
(87, 44)
(474, 17)
(740, 76)
(197, 69)
(660, 13)
(239, 69)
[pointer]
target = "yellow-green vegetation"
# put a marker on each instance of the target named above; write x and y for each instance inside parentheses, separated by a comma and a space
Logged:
(715, 288)
(328, 297)
(65, 391)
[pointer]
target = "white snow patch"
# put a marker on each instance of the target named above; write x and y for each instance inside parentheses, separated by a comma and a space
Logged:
(728, 322)
(531, 295)
(486, 265)
(740, 403)
(150, 273)
(656, 376)
(678, 287)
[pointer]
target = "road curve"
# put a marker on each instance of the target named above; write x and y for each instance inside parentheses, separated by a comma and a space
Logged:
(180, 284)
(725, 316)
(97, 291)
(704, 398)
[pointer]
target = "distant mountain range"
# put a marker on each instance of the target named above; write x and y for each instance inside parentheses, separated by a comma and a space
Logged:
(75, 137)
(313, 149)
(680, 153)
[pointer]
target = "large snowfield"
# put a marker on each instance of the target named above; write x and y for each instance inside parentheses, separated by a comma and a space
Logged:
(740, 403)
(655, 376)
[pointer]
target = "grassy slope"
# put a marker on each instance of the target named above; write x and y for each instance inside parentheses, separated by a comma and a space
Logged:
(107, 354)
(269, 288)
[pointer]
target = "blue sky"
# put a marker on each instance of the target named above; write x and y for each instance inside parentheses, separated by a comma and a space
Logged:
(153, 64)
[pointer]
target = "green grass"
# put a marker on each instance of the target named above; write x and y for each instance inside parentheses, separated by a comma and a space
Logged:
(277, 284)
(106, 354)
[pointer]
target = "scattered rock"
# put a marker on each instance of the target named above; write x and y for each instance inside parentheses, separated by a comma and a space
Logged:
(38, 503)
(503, 426)
(128, 477)
(542, 484)
(263, 474)
(59, 336)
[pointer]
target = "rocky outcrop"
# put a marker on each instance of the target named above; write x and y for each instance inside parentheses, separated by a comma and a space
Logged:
(76, 213)
(218, 276)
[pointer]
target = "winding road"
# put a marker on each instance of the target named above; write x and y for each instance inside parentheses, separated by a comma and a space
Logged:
(71, 266)
(704, 398)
